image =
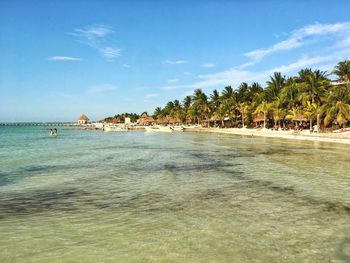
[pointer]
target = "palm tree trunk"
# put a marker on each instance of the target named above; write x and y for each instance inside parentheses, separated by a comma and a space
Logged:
(311, 129)
(242, 120)
(318, 123)
(264, 119)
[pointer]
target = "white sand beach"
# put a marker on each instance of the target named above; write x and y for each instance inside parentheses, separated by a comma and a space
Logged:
(343, 137)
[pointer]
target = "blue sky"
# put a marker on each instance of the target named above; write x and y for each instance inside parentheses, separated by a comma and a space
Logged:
(59, 59)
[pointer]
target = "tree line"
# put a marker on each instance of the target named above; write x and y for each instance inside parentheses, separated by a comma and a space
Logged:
(309, 97)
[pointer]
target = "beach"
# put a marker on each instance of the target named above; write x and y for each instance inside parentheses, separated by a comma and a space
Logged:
(305, 135)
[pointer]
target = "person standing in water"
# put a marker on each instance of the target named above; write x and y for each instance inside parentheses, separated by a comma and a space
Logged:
(53, 132)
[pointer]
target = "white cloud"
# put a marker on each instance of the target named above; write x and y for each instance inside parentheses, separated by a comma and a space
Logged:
(344, 43)
(96, 36)
(126, 66)
(174, 62)
(109, 53)
(172, 80)
(63, 58)
(302, 63)
(324, 58)
(299, 38)
(93, 31)
(235, 76)
(208, 65)
(103, 88)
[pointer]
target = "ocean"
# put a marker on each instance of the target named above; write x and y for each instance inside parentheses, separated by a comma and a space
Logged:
(93, 196)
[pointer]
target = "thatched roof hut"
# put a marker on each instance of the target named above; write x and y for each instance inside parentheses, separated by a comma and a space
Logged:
(146, 120)
(116, 120)
(296, 117)
(168, 120)
(83, 119)
(259, 118)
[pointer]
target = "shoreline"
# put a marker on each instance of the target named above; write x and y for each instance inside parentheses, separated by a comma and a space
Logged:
(343, 138)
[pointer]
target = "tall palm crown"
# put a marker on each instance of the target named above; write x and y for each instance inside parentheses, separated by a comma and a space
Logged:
(200, 103)
(313, 85)
(274, 86)
(337, 107)
(342, 70)
(215, 100)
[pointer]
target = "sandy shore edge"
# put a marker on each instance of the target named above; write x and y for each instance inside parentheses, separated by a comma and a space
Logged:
(343, 138)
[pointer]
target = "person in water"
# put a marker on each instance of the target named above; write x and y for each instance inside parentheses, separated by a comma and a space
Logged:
(53, 132)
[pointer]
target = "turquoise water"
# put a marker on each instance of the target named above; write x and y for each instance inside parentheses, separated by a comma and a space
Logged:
(89, 196)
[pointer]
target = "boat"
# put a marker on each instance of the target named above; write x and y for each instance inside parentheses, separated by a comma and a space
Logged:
(99, 125)
(178, 128)
(114, 128)
(158, 128)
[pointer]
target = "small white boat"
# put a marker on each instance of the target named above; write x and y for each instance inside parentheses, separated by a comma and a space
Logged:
(159, 129)
(99, 125)
(112, 128)
(177, 128)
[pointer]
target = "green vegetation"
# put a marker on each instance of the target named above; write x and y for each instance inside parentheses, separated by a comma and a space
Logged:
(309, 98)
(121, 118)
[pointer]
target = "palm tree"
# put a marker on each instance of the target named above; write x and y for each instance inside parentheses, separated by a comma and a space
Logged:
(264, 107)
(337, 107)
(311, 110)
(169, 108)
(278, 112)
(201, 105)
(243, 108)
(243, 91)
(186, 107)
(313, 86)
(228, 97)
(220, 113)
(290, 93)
(177, 110)
(274, 86)
(215, 100)
(157, 112)
(342, 70)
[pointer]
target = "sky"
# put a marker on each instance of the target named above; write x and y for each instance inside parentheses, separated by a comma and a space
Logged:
(60, 59)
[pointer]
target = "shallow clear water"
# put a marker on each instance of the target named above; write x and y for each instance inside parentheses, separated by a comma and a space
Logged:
(90, 196)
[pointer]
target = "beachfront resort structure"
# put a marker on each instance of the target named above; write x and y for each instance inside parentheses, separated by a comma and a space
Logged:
(83, 119)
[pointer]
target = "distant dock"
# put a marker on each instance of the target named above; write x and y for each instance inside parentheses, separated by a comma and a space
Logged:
(37, 124)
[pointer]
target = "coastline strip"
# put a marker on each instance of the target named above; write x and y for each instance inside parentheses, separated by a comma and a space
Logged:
(290, 135)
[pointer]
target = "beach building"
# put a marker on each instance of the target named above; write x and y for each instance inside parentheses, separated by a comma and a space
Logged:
(83, 119)
(146, 120)
(116, 120)
(259, 120)
(168, 120)
(127, 120)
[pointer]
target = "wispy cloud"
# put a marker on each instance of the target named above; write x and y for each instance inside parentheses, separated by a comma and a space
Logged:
(126, 66)
(336, 48)
(300, 37)
(63, 58)
(235, 76)
(96, 36)
(103, 88)
(208, 65)
(172, 80)
(174, 62)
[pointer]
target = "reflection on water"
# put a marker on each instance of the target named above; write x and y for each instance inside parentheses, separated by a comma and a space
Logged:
(138, 197)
